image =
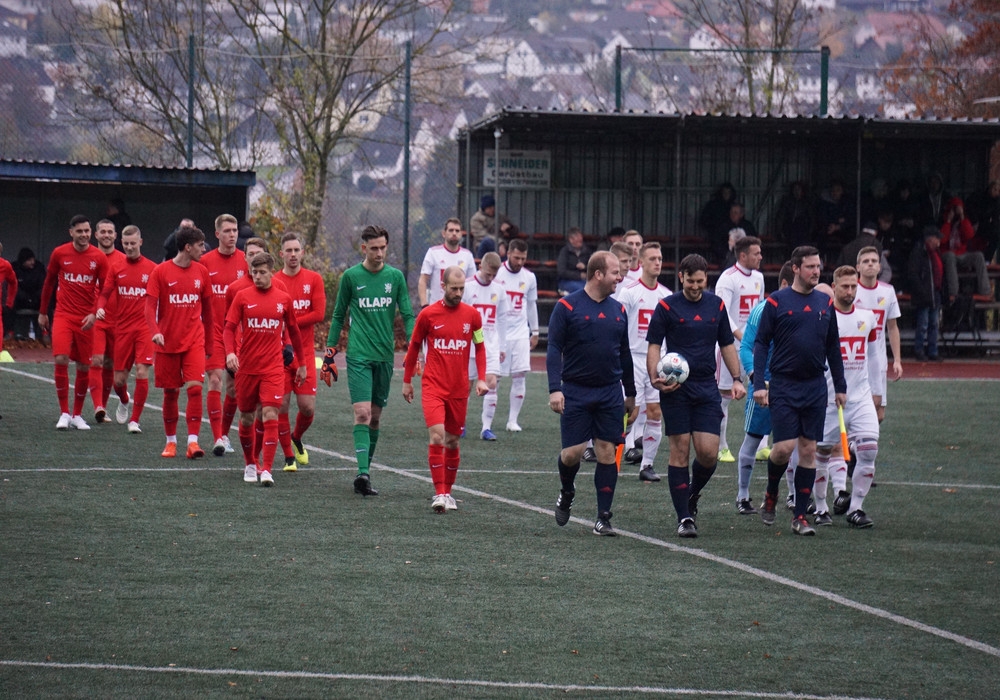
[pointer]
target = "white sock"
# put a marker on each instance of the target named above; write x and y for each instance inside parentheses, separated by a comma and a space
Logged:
(748, 453)
(651, 438)
(638, 429)
(192, 438)
(517, 388)
(838, 474)
(821, 483)
(864, 472)
(790, 472)
(489, 408)
(723, 442)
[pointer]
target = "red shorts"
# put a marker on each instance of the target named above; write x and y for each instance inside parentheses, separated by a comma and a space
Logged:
(69, 339)
(133, 348)
(262, 389)
(217, 360)
(104, 341)
(450, 412)
(175, 369)
(308, 385)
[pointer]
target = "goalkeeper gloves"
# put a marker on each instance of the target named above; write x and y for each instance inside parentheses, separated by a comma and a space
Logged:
(329, 369)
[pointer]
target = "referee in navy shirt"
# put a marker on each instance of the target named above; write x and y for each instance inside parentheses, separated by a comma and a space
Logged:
(799, 327)
(588, 362)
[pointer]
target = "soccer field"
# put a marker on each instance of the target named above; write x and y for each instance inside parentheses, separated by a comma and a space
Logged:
(128, 575)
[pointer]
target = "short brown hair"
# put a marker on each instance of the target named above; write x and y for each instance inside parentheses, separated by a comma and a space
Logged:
(264, 258)
(865, 251)
(844, 271)
(743, 245)
(225, 219)
(693, 263)
(372, 232)
(259, 242)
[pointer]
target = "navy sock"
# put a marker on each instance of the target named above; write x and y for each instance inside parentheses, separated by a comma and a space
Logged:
(774, 474)
(804, 480)
(567, 475)
(700, 476)
(677, 478)
(605, 478)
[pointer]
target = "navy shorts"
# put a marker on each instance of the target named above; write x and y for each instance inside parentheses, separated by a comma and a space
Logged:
(694, 408)
(798, 408)
(592, 413)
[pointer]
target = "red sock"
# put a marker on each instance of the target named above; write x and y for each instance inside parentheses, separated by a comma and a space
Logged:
(170, 411)
(193, 411)
(80, 393)
(450, 468)
(229, 410)
(285, 435)
(62, 387)
(121, 391)
(302, 423)
(213, 403)
(246, 442)
(270, 444)
(96, 385)
(107, 380)
(258, 436)
(435, 459)
(139, 399)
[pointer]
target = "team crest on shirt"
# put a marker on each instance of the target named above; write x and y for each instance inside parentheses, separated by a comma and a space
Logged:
(281, 308)
(306, 288)
(881, 301)
(239, 273)
(93, 265)
(861, 326)
(388, 287)
(145, 278)
(197, 284)
(466, 328)
(521, 285)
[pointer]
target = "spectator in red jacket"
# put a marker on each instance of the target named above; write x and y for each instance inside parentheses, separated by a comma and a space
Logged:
(958, 247)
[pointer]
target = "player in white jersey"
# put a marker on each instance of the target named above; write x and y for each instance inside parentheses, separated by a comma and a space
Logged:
(520, 324)
(741, 287)
(857, 328)
(880, 298)
(633, 239)
(439, 258)
(640, 299)
(488, 298)
(623, 252)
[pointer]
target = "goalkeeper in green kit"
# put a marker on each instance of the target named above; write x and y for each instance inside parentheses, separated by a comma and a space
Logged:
(370, 291)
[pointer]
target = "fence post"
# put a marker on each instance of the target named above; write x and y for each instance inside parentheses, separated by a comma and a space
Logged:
(618, 78)
(824, 79)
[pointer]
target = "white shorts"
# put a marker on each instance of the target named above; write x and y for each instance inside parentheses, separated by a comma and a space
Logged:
(877, 379)
(492, 360)
(518, 360)
(722, 376)
(859, 417)
(645, 392)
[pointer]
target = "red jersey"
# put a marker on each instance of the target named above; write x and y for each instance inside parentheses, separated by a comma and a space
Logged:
(179, 305)
(308, 301)
(262, 316)
(110, 320)
(450, 332)
(75, 278)
(7, 275)
(246, 282)
(125, 292)
(223, 270)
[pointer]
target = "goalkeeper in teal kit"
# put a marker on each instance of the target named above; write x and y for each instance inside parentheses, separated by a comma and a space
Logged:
(372, 292)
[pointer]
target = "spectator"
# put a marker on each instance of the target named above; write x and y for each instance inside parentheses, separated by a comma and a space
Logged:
(875, 200)
(926, 274)
(796, 218)
(905, 214)
(614, 235)
(932, 202)
(482, 227)
(571, 265)
(30, 280)
(116, 214)
(869, 236)
(956, 235)
(984, 212)
(734, 235)
(714, 218)
(836, 219)
(245, 234)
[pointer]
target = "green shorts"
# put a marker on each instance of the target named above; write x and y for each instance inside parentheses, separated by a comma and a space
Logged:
(368, 381)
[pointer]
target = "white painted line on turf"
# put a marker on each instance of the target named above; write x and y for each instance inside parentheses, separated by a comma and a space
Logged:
(739, 566)
(508, 685)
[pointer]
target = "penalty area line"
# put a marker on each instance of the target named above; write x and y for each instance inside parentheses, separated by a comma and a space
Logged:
(427, 680)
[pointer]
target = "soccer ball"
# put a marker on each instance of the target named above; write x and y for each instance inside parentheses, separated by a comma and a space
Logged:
(673, 368)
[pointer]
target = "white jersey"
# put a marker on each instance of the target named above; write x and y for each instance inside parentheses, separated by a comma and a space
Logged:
(437, 259)
(640, 303)
(740, 289)
(857, 335)
(880, 300)
(490, 301)
(522, 296)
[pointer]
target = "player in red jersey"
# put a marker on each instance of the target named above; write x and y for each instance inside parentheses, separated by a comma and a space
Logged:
(7, 275)
(309, 302)
(75, 273)
(179, 315)
(263, 313)
(125, 292)
(102, 366)
(450, 327)
(225, 264)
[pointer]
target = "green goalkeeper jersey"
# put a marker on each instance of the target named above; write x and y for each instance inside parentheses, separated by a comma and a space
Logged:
(372, 299)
